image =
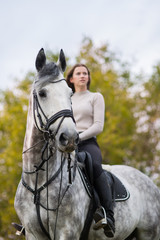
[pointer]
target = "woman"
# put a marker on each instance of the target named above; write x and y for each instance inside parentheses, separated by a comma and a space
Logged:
(88, 111)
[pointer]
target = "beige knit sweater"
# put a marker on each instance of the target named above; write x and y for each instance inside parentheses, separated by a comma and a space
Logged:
(88, 111)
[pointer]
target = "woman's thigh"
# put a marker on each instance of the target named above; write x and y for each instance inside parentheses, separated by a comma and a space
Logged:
(95, 152)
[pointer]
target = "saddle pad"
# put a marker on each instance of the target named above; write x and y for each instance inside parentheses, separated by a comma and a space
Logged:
(119, 192)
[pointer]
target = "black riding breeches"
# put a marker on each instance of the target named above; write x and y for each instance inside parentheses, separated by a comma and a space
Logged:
(91, 146)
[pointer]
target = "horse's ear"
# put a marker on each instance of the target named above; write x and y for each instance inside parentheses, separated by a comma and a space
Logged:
(40, 60)
(62, 61)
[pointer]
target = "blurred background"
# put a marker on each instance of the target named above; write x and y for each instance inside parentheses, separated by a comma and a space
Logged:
(119, 41)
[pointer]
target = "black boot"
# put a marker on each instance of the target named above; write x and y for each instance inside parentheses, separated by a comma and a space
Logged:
(104, 216)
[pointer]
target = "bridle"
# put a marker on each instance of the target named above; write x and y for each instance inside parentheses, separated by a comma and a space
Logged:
(46, 151)
(44, 127)
(37, 108)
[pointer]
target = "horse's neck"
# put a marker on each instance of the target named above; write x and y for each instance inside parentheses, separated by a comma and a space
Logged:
(33, 157)
(32, 137)
(32, 152)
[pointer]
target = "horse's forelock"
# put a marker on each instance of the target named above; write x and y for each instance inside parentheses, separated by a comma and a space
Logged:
(47, 74)
(50, 69)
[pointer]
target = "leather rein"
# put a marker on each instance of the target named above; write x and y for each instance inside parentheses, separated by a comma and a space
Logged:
(46, 151)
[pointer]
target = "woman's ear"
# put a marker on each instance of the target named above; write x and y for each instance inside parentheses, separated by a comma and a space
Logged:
(71, 80)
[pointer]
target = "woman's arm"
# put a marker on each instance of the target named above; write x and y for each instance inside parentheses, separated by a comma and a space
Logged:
(98, 118)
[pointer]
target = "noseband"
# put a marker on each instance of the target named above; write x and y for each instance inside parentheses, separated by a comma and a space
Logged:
(49, 121)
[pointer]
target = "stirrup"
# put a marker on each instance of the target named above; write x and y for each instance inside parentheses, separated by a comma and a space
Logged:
(19, 233)
(100, 219)
(20, 229)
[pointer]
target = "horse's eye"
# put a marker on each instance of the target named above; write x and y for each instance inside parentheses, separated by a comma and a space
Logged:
(42, 93)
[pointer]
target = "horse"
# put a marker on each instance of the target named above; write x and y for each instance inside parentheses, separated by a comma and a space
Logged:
(51, 200)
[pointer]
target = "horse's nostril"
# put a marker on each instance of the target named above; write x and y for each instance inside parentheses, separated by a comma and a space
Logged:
(69, 140)
(63, 139)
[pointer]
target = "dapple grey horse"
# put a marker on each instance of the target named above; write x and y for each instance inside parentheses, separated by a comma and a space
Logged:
(51, 200)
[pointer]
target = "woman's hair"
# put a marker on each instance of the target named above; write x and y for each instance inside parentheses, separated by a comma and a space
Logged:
(70, 75)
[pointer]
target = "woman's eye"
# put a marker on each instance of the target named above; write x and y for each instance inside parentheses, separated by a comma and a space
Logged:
(42, 93)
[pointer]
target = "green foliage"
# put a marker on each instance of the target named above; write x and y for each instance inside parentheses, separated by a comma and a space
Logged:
(132, 122)
(14, 105)
(146, 143)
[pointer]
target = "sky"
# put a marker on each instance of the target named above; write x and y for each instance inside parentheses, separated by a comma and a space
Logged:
(130, 28)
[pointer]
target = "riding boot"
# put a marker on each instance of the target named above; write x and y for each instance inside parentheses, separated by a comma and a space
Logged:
(104, 215)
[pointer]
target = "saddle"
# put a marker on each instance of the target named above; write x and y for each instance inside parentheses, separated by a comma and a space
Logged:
(119, 191)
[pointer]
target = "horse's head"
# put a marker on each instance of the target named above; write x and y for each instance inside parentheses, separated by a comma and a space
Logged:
(52, 103)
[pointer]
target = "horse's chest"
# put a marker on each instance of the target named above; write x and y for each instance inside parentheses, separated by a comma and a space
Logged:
(71, 204)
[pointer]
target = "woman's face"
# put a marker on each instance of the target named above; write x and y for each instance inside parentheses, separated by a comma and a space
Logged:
(80, 78)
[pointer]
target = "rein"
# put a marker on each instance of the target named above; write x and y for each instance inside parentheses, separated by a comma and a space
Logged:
(46, 154)
(36, 192)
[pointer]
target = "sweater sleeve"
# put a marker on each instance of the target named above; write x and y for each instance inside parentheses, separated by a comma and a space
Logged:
(98, 118)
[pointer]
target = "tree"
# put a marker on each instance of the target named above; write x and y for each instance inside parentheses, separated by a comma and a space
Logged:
(147, 111)
(12, 128)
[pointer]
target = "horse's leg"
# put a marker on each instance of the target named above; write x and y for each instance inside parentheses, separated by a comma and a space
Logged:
(132, 236)
(30, 236)
(143, 235)
(36, 236)
(149, 234)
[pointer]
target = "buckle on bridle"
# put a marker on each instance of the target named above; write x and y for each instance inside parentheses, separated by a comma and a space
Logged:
(47, 134)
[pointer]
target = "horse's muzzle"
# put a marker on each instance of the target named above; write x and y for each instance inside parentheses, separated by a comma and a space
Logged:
(68, 141)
